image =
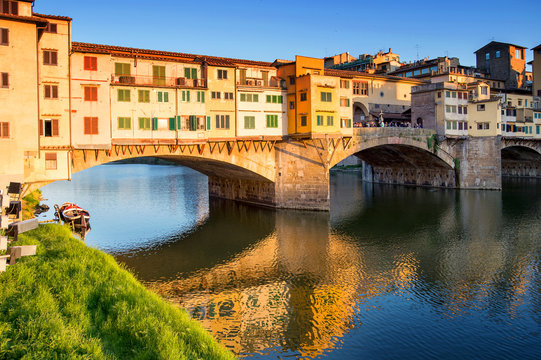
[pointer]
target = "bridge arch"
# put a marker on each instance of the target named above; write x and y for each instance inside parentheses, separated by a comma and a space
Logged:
(521, 158)
(361, 115)
(402, 156)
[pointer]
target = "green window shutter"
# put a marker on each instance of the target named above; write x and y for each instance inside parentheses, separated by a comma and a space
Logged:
(179, 122)
(202, 96)
(256, 97)
(274, 99)
(199, 96)
(242, 97)
(154, 123)
(193, 122)
(269, 98)
(188, 95)
(160, 96)
(208, 121)
(172, 124)
(166, 97)
(194, 73)
(120, 123)
(141, 123)
(280, 99)
(187, 73)
(183, 95)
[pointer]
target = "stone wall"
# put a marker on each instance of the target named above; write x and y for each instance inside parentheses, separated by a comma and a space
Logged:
(415, 176)
(479, 163)
(243, 190)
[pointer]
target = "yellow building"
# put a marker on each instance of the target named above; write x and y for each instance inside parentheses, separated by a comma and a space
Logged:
(35, 94)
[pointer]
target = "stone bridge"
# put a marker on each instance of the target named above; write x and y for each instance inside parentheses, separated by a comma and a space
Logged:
(294, 172)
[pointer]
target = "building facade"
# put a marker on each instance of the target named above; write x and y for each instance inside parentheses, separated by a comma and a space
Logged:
(503, 61)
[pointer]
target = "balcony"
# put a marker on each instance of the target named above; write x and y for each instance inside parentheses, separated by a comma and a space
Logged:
(275, 82)
(140, 80)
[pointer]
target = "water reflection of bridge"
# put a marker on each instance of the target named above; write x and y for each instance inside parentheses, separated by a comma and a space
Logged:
(303, 286)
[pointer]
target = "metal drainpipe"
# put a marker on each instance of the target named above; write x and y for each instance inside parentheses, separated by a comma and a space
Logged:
(70, 152)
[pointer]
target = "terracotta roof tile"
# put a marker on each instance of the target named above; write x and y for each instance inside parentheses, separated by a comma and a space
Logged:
(54, 17)
(29, 19)
(167, 55)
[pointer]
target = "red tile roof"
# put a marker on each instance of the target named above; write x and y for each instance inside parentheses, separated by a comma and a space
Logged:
(28, 19)
(54, 17)
(352, 74)
(165, 55)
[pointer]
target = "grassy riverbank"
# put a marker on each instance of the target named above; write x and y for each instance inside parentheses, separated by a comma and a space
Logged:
(74, 302)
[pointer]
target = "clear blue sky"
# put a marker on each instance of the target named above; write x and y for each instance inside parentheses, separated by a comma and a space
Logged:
(266, 30)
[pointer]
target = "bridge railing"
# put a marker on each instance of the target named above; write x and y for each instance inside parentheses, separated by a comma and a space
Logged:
(392, 132)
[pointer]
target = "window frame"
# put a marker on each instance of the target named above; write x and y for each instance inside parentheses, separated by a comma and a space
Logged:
(50, 57)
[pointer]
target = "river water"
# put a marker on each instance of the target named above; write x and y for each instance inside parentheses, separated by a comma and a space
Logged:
(390, 273)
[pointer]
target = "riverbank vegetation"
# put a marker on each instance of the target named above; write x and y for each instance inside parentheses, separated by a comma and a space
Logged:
(74, 302)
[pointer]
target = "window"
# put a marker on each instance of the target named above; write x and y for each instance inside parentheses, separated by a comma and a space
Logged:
(344, 84)
(222, 121)
(144, 123)
(453, 94)
(229, 96)
(215, 95)
(190, 73)
(124, 123)
(144, 96)
(50, 161)
(498, 54)
(291, 105)
(91, 93)
(344, 102)
(484, 90)
(425, 71)
(249, 122)
(326, 96)
(537, 129)
(222, 74)
(5, 80)
(303, 96)
(481, 107)
(90, 63)
(345, 123)
(51, 91)
(4, 130)
(487, 56)
(360, 88)
(319, 120)
(158, 75)
(51, 28)
(248, 97)
(185, 95)
(416, 72)
(48, 127)
(303, 120)
(275, 99)
(50, 57)
(518, 54)
(201, 96)
(163, 96)
(9, 7)
(124, 95)
(447, 94)
(519, 102)
(439, 94)
(465, 109)
(448, 125)
(330, 121)
(272, 121)
(460, 109)
(291, 80)
(122, 69)
(91, 125)
(4, 36)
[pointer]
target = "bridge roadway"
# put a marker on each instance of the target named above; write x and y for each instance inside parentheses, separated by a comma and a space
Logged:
(293, 172)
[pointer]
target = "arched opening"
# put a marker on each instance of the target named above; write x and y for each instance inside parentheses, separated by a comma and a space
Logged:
(405, 165)
(361, 116)
(419, 122)
(521, 161)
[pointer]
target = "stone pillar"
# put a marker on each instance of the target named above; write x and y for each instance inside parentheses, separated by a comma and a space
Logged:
(302, 176)
(479, 163)
(244, 190)
(368, 174)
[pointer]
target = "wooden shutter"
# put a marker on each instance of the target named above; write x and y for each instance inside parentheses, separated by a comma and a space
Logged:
(188, 95)
(54, 58)
(187, 73)
(4, 37)
(208, 122)
(94, 125)
(202, 96)
(172, 124)
(54, 91)
(54, 127)
(154, 123)
(4, 130)
(160, 96)
(41, 127)
(194, 73)
(5, 79)
(227, 119)
(179, 122)
(88, 126)
(47, 91)
(165, 97)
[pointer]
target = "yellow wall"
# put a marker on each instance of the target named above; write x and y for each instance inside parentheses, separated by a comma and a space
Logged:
(325, 84)
(221, 106)
(491, 115)
(19, 101)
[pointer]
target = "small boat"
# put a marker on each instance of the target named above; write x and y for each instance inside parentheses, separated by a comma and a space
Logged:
(74, 215)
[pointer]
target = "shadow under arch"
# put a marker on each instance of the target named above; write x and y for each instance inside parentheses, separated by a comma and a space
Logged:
(521, 160)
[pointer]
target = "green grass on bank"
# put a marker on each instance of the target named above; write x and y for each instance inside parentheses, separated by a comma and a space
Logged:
(30, 202)
(74, 302)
